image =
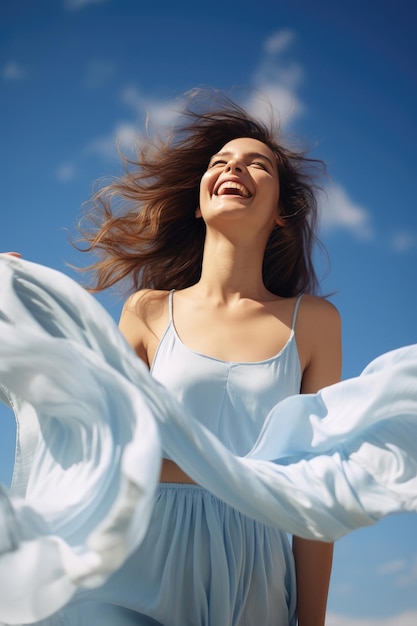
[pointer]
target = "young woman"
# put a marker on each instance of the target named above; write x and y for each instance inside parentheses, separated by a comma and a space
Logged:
(217, 239)
(234, 307)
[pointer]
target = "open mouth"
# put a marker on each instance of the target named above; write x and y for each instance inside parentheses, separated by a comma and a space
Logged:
(232, 188)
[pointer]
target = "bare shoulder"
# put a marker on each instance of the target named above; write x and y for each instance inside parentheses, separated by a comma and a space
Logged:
(318, 335)
(318, 323)
(145, 303)
(143, 316)
(319, 311)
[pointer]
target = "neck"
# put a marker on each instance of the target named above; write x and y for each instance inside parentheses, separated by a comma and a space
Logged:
(232, 269)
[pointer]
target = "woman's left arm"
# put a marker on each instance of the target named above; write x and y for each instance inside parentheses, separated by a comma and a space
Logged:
(319, 340)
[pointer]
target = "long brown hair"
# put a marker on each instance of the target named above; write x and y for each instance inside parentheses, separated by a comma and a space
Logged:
(154, 238)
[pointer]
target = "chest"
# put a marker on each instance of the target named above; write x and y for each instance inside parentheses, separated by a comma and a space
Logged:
(238, 336)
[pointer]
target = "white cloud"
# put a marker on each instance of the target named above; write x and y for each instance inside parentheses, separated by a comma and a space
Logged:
(408, 618)
(162, 114)
(123, 137)
(74, 5)
(277, 78)
(279, 41)
(126, 138)
(338, 211)
(285, 105)
(13, 71)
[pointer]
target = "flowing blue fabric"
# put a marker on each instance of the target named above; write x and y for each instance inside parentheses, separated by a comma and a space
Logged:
(92, 423)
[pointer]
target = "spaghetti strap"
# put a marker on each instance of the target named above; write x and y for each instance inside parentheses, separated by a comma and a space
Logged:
(294, 317)
(170, 304)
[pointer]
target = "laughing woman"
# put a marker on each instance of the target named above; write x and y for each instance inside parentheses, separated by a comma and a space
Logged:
(216, 236)
(227, 323)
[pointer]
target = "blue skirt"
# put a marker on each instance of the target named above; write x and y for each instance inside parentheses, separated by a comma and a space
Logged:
(86, 527)
(201, 563)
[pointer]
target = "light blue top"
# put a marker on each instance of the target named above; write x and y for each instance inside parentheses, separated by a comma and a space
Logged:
(232, 400)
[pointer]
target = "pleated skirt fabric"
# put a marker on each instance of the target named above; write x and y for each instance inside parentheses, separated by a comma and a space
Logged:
(201, 563)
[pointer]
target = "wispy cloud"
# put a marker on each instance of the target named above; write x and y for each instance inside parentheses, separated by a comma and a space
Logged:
(408, 618)
(124, 137)
(13, 71)
(74, 5)
(162, 113)
(339, 211)
(277, 80)
(279, 41)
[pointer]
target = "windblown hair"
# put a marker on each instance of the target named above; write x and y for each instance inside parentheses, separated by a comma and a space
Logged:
(156, 240)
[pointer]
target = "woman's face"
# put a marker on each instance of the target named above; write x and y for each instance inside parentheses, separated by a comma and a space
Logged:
(241, 181)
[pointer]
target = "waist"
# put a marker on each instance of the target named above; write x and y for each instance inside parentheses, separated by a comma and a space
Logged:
(171, 473)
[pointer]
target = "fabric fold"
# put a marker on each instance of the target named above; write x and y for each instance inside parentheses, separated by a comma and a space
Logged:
(93, 422)
(92, 443)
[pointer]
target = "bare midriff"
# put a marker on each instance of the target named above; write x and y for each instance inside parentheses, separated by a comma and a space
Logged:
(171, 473)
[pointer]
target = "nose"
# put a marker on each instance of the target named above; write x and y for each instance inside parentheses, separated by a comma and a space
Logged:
(234, 165)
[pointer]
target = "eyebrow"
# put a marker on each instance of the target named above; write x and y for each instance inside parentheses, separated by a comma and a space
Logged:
(249, 155)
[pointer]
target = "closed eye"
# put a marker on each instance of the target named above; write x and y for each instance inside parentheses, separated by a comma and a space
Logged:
(260, 164)
(217, 162)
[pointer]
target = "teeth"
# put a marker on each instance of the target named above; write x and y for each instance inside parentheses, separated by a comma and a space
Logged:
(230, 184)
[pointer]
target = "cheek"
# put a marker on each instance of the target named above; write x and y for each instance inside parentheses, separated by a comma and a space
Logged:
(272, 201)
(206, 184)
(275, 194)
(270, 191)
(207, 178)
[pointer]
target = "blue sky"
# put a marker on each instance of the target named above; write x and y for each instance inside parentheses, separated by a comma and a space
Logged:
(78, 75)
